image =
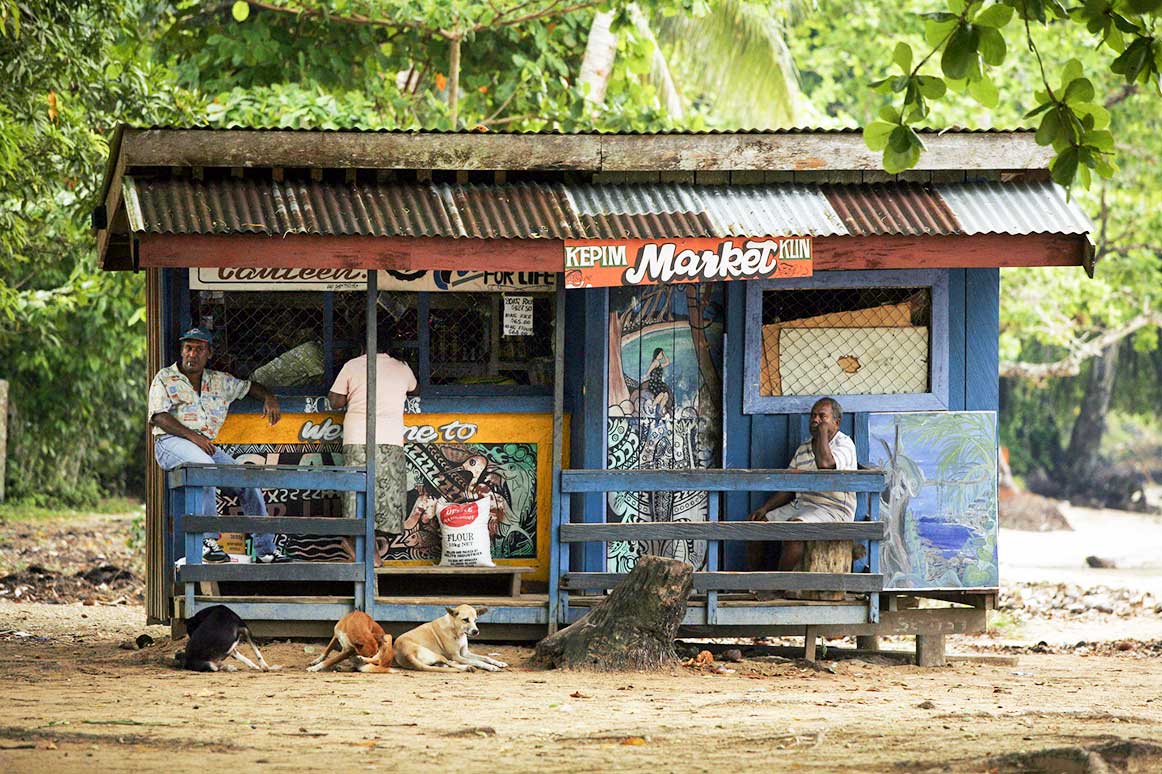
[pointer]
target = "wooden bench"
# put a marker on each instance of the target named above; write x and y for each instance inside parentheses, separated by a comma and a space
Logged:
(863, 482)
(500, 571)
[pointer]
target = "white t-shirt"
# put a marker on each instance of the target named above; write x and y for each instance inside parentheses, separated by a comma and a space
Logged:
(393, 380)
(841, 504)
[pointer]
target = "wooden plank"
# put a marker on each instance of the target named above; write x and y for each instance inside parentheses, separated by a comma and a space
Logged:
(490, 151)
(351, 252)
(856, 583)
(815, 151)
(424, 253)
(289, 571)
(722, 530)
(440, 570)
(529, 600)
(947, 252)
(364, 150)
(982, 325)
(284, 525)
(948, 620)
(702, 479)
(269, 477)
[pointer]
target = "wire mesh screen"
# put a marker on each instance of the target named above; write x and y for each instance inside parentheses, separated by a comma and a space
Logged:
(846, 341)
(276, 338)
(468, 343)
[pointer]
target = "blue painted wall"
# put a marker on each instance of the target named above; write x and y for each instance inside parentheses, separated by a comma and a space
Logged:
(767, 441)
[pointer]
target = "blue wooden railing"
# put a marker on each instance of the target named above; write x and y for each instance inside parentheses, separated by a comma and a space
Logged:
(863, 482)
(185, 487)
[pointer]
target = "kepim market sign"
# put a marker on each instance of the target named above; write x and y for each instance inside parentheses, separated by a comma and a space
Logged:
(610, 263)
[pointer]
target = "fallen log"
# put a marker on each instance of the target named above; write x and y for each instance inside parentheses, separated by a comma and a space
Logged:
(633, 628)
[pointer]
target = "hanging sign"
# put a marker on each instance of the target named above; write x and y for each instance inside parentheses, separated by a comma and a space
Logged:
(268, 278)
(610, 263)
(518, 315)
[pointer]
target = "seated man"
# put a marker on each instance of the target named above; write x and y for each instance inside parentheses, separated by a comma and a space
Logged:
(828, 449)
(187, 406)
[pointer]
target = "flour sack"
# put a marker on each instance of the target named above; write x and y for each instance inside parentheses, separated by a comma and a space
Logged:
(464, 534)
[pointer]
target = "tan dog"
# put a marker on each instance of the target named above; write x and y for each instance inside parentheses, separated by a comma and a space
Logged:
(360, 638)
(442, 645)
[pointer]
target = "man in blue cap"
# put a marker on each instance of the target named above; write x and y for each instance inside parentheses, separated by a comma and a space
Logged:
(187, 406)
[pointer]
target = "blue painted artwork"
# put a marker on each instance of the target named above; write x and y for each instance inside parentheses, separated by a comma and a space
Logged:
(940, 504)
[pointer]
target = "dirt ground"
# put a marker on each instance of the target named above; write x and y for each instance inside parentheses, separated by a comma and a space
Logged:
(75, 699)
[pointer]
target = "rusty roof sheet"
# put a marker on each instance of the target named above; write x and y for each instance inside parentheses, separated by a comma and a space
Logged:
(626, 211)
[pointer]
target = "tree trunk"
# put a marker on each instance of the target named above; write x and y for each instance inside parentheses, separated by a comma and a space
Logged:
(631, 629)
(454, 82)
(3, 434)
(600, 54)
(1081, 458)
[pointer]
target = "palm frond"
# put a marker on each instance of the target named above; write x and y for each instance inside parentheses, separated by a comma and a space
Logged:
(735, 60)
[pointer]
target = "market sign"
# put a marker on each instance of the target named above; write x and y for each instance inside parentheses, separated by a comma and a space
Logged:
(322, 278)
(610, 263)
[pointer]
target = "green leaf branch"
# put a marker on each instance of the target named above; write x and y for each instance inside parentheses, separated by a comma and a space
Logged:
(970, 38)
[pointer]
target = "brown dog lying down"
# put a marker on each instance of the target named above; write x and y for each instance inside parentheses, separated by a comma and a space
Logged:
(360, 638)
(442, 645)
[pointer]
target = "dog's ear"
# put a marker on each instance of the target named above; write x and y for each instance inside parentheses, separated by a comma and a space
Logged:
(451, 611)
(481, 610)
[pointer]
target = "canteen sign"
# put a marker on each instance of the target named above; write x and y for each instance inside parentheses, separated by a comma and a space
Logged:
(610, 263)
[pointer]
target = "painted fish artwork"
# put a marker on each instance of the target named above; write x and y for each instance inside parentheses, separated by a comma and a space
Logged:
(939, 506)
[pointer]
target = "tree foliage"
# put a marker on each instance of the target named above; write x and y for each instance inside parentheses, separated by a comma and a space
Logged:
(971, 40)
(71, 337)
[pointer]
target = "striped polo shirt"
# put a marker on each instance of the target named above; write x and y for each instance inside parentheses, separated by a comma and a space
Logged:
(841, 504)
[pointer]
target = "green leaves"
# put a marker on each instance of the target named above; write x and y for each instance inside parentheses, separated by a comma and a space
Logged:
(961, 58)
(974, 36)
(898, 141)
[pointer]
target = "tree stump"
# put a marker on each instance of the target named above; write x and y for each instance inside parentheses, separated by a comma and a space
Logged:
(633, 628)
(825, 556)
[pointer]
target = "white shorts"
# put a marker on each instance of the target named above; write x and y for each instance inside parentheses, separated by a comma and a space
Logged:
(809, 512)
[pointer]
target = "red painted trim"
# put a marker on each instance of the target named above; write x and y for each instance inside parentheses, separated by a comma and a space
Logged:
(351, 252)
(412, 254)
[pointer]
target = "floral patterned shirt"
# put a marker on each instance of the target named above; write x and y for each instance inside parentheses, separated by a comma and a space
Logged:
(171, 392)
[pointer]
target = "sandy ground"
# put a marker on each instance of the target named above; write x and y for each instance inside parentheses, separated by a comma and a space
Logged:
(74, 699)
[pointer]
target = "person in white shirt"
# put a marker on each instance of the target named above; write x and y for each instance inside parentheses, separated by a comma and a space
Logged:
(394, 381)
(827, 449)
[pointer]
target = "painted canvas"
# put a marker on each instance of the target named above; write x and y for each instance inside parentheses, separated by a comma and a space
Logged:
(665, 393)
(940, 503)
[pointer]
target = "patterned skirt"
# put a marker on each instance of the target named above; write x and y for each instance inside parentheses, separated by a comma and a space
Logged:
(390, 484)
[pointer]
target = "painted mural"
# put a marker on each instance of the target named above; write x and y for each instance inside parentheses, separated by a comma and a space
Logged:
(463, 472)
(665, 395)
(454, 457)
(940, 503)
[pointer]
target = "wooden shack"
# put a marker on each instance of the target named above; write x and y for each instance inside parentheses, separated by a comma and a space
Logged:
(618, 335)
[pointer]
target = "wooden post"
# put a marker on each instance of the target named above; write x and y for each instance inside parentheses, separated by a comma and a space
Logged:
(810, 635)
(930, 650)
(3, 433)
(365, 601)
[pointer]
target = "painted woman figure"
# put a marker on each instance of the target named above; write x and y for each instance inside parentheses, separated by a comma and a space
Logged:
(663, 396)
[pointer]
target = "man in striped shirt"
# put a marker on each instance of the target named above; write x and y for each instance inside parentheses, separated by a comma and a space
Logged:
(827, 449)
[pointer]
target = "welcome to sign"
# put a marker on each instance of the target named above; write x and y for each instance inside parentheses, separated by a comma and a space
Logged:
(610, 263)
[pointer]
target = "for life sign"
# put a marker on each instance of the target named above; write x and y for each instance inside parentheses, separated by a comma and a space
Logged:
(518, 315)
(610, 263)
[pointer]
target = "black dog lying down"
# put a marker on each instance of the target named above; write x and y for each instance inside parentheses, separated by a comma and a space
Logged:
(215, 634)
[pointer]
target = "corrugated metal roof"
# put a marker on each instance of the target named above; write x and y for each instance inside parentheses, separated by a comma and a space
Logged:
(898, 208)
(1015, 208)
(562, 211)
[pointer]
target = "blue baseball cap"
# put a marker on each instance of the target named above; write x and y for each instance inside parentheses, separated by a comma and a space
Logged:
(197, 334)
